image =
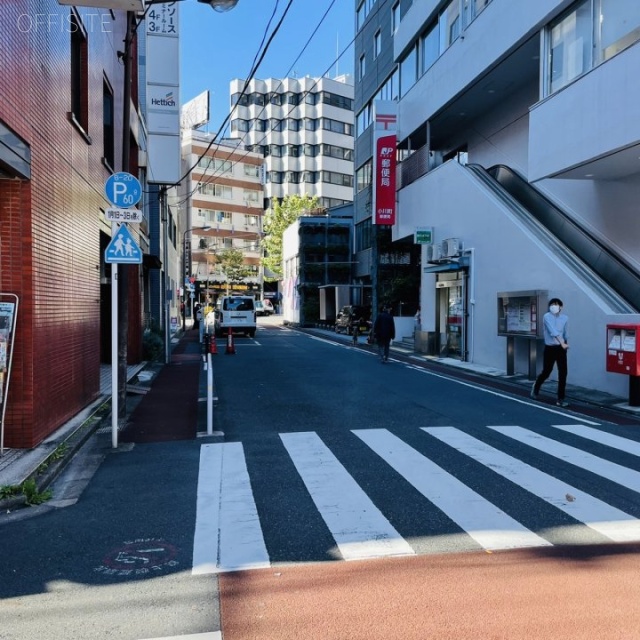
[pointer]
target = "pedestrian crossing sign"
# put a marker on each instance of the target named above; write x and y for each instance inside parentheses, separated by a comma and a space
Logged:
(123, 248)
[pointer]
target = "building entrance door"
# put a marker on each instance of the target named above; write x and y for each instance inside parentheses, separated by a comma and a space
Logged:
(450, 315)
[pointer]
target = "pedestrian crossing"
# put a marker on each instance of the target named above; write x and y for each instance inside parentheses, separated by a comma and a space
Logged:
(553, 471)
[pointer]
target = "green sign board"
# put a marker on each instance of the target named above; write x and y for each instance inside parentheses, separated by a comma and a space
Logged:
(423, 235)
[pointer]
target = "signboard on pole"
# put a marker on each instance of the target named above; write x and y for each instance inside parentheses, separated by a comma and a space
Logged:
(123, 249)
(423, 235)
(123, 215)
(123, 189)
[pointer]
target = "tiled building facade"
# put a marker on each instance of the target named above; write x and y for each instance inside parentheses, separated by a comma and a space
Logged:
(61, 100)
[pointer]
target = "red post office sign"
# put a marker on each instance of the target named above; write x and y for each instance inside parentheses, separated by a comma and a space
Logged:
(385, 180)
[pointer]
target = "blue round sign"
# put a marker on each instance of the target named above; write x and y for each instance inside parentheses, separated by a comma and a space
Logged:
(123, 190)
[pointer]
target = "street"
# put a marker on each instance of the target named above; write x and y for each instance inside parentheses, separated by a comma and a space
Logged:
(463, 512)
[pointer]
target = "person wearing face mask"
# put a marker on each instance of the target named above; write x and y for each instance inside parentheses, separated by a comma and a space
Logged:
(555, 350)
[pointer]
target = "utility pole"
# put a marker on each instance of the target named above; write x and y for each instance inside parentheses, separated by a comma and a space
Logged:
(123, 269)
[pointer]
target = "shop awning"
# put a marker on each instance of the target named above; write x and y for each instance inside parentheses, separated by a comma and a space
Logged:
(452, 265)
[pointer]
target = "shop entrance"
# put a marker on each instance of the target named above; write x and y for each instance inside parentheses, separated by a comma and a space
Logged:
(450, 314)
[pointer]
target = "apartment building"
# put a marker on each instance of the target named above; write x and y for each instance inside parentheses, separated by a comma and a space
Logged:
(303, 128)
(519, 141)
(220, 208)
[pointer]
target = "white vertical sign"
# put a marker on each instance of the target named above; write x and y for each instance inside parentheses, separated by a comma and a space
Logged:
(163, 93)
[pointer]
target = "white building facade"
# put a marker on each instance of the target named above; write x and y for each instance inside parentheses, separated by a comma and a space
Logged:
(303, 128)
(519, 141)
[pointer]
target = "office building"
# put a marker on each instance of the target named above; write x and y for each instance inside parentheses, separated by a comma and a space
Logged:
(303, 128)
(518, 141)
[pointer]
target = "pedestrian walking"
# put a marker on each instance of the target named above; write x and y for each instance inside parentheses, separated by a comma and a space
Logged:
(555, 350)
(356, 330)
(384, 331)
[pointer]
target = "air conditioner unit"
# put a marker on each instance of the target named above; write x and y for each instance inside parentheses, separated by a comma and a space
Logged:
(451, 247)
(434, 253)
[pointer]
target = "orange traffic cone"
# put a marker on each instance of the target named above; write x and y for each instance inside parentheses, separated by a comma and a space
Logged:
(231, 347)
(213, 347)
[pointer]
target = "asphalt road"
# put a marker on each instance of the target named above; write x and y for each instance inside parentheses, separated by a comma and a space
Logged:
(469, 500)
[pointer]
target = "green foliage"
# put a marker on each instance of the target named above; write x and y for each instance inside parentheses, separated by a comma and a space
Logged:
(32, 496)
(8, 491)
(152, 344)
(232, 263)
(277, 219)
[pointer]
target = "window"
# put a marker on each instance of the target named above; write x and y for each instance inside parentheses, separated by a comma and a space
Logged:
(293, 150)
(107, 126)
(258, 99)
(79, 73)
(293, 98)
(239, 125)
(408, 71)
(275, 98)
(240, 99)
(430, 48)
(341, 153)
(619, 22)
(335, 100)
(450, 24)
(311, 98)
(310, 177)
(361, 67)
(570, 39)
(293, 124)
(260, 125)
(275, 124)
(310, 125)
(341, 179)
(310, 150)
(251, 170)
(364, 176)
(275, 150)
(337, 126)
(377, 43)
(395, 17)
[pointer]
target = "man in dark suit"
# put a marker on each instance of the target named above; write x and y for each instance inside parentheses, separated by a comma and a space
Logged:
(384, 331)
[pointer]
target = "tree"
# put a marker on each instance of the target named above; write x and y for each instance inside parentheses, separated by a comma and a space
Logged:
(232, 263)
(277, 219)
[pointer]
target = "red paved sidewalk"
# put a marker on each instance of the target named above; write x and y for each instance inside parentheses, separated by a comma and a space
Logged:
(169, 411)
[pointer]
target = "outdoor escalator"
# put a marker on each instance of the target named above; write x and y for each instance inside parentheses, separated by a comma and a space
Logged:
(611, 268)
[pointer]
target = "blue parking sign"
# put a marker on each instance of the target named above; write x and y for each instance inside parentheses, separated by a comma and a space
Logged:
(123, 190)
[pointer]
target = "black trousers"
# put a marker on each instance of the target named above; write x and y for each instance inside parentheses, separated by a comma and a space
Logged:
(553, 355)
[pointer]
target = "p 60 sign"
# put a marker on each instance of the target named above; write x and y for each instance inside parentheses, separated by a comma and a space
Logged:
(123, 190)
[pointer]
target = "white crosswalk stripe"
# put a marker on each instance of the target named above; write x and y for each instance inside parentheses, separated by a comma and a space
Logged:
(358, 527)
(229, 535)
(489, 526)
(596, 514)
(604, 468)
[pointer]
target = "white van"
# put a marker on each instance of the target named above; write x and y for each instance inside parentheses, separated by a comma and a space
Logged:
(237, 313)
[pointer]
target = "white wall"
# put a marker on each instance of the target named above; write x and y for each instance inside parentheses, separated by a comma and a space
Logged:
(507, 258)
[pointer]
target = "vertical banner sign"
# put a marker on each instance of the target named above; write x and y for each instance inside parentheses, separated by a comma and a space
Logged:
(163, 93)
(384, 163)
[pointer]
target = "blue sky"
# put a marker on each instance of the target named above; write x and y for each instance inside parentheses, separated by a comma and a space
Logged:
(218, 47)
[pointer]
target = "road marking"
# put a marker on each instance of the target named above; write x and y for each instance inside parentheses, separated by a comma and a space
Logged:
(212, 635)
(596, 514)
(609, 470)
(602, 437)
(228, 536)
(488, 525)
(358, 527)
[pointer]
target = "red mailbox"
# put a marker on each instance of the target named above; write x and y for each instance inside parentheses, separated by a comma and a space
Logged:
(623, 355)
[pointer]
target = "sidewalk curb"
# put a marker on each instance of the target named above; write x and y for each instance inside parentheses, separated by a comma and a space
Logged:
(48, 469)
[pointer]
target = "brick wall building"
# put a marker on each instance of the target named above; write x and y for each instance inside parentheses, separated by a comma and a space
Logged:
(61, 91)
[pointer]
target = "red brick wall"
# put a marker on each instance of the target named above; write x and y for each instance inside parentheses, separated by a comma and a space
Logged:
(50, 225)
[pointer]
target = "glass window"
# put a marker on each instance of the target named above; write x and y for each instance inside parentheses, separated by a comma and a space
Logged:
(310, 125)
(311, 98)
(361, 66)
(408, 71)
(395, 17)
(240, 99)
(239, 125)
(253, 171)
(377, 43)
(108, 126)
(275, 124)
(619, 26)
(79, 73)
(275, 98)
(430, 48)
(293, 98)
(293, 150)
(571, 43)
(293, 124)
(257, 98)
(310, 150)
(364, 176)
(450, 24)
